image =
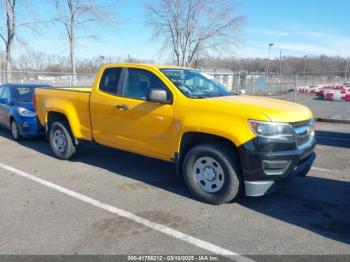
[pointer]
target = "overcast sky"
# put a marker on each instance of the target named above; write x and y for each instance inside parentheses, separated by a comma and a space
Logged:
(297, 27)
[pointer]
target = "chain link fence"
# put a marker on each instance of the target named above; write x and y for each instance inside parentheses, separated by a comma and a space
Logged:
(286, 86)
(277, 84)
(52, 78)
(254, 84)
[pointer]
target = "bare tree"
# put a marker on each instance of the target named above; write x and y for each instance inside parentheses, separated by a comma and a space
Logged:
(191, 27)
(9, 36)
(76, 15)
(13, 22)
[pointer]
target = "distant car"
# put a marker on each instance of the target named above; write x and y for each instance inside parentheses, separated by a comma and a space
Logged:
(320, 91)
(17, 110)
(312, 89)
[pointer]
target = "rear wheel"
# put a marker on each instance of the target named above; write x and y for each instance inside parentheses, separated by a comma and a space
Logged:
(61, 140)
(15, 131)
(211, 173)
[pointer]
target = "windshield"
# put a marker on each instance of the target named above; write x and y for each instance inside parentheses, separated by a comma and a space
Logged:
(24, 93)
(196, 84)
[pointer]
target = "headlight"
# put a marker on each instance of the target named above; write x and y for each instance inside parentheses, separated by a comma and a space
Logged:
(273, 130)
(25, 112)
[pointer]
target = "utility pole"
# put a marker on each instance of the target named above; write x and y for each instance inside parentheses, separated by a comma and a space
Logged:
(347, 69)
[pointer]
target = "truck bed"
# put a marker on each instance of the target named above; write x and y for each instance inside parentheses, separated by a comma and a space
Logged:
(75, 100)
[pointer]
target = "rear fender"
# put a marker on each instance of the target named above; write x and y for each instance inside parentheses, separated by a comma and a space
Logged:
(69, 112)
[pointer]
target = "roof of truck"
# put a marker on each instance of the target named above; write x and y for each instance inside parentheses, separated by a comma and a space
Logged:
(154, 66)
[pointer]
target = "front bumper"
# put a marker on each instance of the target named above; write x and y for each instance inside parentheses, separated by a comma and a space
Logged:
(29, 127)
(290, 163)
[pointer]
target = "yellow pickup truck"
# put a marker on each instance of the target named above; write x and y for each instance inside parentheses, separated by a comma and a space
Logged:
(222, 144)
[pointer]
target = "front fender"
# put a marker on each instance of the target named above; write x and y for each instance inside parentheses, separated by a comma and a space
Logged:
(235, 130)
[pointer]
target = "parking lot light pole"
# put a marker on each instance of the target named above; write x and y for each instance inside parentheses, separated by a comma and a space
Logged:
(268, 65)
(305, 69)
(268, 59)
(102, 60)
(280, 62)
(305, 63)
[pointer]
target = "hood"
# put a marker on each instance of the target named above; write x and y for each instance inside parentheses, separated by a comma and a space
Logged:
(276, 110)
(26, 105)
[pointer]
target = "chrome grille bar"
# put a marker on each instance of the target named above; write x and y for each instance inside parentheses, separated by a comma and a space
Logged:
(302, 132)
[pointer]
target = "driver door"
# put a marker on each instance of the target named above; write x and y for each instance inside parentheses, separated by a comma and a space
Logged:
(142, 126)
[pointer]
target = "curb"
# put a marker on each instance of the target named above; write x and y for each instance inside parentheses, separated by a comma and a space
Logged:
(332, 120)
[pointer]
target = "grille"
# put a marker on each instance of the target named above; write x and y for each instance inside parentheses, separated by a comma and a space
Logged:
(302, 132)
(301, 140)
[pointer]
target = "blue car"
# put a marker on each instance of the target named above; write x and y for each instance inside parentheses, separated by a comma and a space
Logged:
(17, 110)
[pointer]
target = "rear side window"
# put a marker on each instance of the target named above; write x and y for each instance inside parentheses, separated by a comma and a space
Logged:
(24, 93)
(110, 80)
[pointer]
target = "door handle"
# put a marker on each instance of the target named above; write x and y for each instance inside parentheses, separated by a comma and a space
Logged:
(122, 107)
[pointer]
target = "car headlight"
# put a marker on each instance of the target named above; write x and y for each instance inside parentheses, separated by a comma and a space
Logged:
(25, 112)
(273, 130)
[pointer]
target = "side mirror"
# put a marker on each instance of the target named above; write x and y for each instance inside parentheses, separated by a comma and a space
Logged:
(4, 101)
(158, 96)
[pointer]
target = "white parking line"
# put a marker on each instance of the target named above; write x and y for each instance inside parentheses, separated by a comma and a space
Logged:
(120, 212)
(323, 169)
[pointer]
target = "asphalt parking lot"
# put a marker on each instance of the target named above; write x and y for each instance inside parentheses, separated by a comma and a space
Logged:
(309, 216)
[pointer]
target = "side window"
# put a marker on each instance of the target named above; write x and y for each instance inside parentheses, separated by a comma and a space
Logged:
(6, 93)
(138, 83)
(110, 80)
(197, 84)
(2, 88)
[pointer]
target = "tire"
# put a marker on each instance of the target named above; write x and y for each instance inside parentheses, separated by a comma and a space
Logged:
(61, 140)
(211, 173)
(15, 131)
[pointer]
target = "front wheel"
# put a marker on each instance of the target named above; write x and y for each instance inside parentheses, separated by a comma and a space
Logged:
(211, 173)
(15, 131)
(61, 141)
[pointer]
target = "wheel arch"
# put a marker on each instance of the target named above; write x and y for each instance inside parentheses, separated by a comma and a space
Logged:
(68, 112)
(193, 138)
(53, 116)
